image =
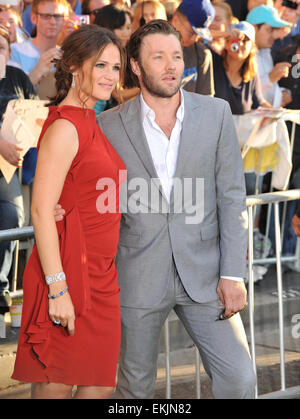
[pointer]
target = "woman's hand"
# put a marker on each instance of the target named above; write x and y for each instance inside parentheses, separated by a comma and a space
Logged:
(61, 308)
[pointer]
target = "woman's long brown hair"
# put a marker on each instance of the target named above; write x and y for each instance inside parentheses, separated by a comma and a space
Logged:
(84, 43)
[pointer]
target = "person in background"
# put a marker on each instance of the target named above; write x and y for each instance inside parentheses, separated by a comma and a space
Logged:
(296, 217)
(241, 8)
(236, 78)
(92, 7)
(266, 21)
(126, 3)
(251, 4)
(146, 11)
(14, 84)
(220, 26)
(171, 6)
(192, 19)
(29, 25)
(118, 19)
(11, 20)
(235, 72)
(286, 34)
(35, 56)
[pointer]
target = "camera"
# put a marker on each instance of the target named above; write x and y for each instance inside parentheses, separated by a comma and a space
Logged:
(80, 20)
(290, 4)
(235, 46)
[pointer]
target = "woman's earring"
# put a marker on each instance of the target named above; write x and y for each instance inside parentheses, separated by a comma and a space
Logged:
(73, 82)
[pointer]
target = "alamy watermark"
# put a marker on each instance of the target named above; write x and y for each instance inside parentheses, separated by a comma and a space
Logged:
(296, 327)
(295, 68)
(141, 196)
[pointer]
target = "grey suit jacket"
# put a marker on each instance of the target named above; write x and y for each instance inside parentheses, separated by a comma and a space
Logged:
(204, 251)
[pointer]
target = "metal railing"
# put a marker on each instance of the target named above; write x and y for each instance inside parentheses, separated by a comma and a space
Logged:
(252, 201)
(17, 234)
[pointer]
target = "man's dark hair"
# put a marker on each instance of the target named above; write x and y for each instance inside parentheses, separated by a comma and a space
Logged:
(110, 17)
(157, 26)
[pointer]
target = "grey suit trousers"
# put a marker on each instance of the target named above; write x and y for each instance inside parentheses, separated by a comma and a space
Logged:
(222, 345)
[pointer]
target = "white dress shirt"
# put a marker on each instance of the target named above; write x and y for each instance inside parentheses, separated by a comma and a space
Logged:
(164, 151)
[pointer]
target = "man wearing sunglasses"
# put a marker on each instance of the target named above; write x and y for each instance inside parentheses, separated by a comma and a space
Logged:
(35, 56)
(92, 7)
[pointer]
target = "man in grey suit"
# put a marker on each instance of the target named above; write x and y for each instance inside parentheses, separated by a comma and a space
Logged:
(167, 258)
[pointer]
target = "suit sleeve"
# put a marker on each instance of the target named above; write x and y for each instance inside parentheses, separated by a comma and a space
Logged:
(231, 200)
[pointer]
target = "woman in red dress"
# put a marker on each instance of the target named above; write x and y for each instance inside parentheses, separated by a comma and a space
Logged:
(70, 332)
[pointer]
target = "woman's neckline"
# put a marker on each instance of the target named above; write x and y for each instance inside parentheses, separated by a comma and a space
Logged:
(73, 107)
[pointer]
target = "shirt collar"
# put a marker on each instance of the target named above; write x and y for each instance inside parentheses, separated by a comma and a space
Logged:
(146, 111)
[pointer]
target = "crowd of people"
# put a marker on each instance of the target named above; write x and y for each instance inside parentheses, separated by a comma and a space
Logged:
(237, 50)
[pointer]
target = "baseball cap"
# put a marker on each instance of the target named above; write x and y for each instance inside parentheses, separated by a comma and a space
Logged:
(246, 28)
(200, 14)
(266, 14)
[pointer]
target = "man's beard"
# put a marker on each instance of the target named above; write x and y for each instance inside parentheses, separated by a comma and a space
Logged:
(153, 87)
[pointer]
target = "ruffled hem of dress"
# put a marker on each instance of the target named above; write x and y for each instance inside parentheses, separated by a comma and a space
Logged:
(39, 326)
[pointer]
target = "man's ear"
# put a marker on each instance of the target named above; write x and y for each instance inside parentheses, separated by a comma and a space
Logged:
(33, 18)
(135, 67)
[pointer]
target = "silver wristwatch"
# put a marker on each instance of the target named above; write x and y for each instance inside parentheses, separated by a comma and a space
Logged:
(51, 279)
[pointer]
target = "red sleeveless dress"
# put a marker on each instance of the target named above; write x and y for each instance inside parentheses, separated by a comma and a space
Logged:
(88, 245)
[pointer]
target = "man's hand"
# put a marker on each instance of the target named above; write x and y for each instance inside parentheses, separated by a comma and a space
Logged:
(296, 225)
(233, 295)
(44, 65)
(59, 213)
(280, 70)
(286, 98)
(11, 153)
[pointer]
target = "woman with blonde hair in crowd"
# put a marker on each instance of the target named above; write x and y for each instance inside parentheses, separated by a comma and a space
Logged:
(146, 11)
(11, 20)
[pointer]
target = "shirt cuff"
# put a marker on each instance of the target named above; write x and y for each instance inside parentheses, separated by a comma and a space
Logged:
(233, 278)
